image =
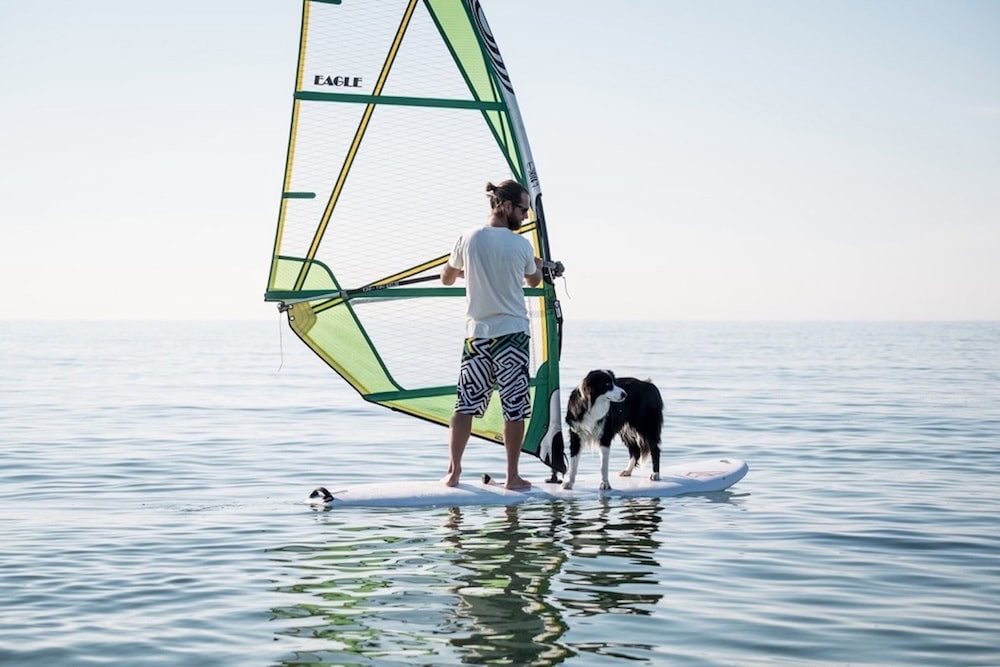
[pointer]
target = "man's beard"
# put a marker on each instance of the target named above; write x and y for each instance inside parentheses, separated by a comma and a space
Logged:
(513, 223)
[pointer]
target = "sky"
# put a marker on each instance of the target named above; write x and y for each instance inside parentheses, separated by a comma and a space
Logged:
(700, 160)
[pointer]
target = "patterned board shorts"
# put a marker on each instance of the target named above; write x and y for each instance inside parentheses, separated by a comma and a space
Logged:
(500, 362)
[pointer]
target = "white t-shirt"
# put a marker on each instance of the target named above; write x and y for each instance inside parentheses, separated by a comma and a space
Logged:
(495, 261)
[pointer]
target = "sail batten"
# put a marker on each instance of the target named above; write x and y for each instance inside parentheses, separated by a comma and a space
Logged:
(475, 105)
(402, 111)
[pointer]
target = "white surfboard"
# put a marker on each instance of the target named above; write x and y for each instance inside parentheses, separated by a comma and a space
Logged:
(681, 478)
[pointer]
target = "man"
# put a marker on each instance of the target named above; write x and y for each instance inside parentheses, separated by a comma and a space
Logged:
(495, 262)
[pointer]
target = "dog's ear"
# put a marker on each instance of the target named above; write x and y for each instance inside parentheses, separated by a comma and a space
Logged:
(575, 408)
(584, 389)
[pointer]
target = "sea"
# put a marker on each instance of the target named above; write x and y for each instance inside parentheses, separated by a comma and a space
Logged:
(153, 478)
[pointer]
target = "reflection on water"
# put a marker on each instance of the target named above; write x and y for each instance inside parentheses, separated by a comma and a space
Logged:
(503, 614)
(474, 585)
(622, 536)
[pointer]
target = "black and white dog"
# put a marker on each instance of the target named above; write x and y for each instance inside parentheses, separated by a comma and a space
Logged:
(604, 406)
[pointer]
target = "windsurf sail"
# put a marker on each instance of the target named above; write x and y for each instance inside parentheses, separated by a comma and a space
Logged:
(402, 111)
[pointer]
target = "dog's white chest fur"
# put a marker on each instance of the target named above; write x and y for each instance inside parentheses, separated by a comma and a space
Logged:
(591, 425)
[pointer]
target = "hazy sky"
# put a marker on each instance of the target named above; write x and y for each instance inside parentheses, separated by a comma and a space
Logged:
(720, 160)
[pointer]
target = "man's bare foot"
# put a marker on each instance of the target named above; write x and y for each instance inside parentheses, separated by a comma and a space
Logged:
(452, 478)
(517, 484)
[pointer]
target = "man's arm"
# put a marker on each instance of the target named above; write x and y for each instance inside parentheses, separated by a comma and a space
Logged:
(449, 274)
(535, 279)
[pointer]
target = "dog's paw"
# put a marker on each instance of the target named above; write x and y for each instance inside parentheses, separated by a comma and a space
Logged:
(567, 485)
(605, 485)
(625, 473)
(655, 477)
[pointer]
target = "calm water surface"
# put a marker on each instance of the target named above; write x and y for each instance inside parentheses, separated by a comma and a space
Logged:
(153, 478)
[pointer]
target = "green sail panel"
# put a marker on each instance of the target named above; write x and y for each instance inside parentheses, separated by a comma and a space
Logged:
(402, 110)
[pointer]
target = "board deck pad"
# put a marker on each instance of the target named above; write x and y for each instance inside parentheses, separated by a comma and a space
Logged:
(694, 477)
